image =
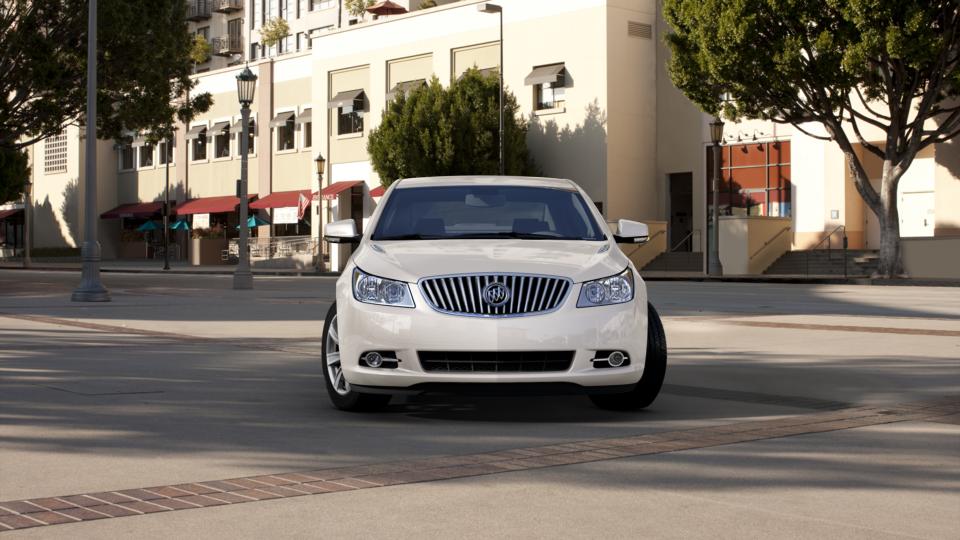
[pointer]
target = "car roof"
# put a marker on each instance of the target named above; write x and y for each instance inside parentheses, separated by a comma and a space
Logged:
(525, 181)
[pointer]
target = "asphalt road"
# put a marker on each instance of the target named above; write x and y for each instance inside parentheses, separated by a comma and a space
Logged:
(182, 379)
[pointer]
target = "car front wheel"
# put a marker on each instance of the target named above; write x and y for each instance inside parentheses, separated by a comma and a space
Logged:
(654, 370)
(343, 396)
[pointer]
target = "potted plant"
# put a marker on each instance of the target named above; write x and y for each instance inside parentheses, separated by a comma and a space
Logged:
(207, 245)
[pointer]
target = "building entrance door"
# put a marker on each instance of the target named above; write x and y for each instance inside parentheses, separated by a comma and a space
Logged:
(681, 211)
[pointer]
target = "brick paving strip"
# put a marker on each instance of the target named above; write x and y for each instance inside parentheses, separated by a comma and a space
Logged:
(132, 502)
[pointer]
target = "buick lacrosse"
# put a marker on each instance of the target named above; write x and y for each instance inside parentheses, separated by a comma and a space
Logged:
(490, 284)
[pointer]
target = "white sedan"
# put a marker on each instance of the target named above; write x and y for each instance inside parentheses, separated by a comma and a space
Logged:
(490, 284)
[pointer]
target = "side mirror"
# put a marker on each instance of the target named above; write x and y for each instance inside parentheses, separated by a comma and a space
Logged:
(631, 232)
(342, 232)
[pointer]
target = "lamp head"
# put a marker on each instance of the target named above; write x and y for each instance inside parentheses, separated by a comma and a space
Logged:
(246, 86)
(716, 131)
(321, 163)
(487, 7)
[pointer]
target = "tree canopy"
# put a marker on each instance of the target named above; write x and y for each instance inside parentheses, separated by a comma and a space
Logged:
(143, 75)
(437, 131)
(856, 67)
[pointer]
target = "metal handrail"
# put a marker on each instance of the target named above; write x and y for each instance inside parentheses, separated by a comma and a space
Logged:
(829, 241)
(770, 241)
(683, 240)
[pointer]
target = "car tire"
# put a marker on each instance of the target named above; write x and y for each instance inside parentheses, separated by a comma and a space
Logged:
(339, 390)
(654, 371)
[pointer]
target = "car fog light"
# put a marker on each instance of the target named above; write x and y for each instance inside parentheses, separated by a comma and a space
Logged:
(616, 359)
(373, 359)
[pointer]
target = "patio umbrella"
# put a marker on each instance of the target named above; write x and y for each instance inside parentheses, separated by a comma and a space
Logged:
(148, 226)
(180, 224)
(255, 221)
(386, 7)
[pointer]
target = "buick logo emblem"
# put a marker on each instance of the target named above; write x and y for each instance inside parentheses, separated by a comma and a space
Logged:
(496, 294)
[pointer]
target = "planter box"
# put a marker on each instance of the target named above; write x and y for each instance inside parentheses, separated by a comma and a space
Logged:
(132, 250)
(204, 251)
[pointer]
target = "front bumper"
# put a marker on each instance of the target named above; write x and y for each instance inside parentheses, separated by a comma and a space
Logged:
(405, 331)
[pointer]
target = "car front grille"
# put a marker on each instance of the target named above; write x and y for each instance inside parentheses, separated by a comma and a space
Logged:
(495, 361)
(469, 294)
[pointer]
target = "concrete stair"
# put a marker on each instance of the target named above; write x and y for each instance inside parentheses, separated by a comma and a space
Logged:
(823, 262)
(678, 261)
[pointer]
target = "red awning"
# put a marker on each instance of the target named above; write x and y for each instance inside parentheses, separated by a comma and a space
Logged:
(4, 214)
(281, 199)
(386, 7)
(330, 192)
(139, 210)
(210, 205)
(378, 191)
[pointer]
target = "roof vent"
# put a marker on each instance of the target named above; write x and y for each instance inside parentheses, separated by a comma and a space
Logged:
(639, 30)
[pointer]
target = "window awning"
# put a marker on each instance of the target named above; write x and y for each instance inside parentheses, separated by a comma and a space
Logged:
(210, 205)
(545, 74)
(220, 127)
(281, 119)
(305, 116)
(281, 199)
(238, 125)
(344, 99)
(331, 192)
(138, 210)
(195, 131)
(6, 214)
(378, 191)
(140, 140)
(405, 87)
(485, 72)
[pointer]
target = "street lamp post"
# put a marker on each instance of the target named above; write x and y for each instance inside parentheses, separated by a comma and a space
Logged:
(27, 207)
(246, 86)
(714, 266)
(494, 8)
(90, 288)
(166, 205)
(321, 163)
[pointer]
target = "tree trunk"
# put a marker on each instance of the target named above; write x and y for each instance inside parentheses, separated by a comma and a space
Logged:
(891, 264)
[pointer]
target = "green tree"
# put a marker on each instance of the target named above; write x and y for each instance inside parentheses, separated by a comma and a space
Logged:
(143, 70)
(888, 66)
(358, 8)
(201, 50)
(273, 31)
(437, 131)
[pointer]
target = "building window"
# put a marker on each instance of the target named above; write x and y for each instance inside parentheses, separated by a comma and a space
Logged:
(165, 154)
(55, 154)
(755, 179)
(254, 50)
(299, 41)
(204, 31)
(146, 156)
(199, 146)
(549, 96)
(285, 134)
(126, 157)
(221, 143)
(307, 134)
(251, 133)
(349, 120)
(321, 4)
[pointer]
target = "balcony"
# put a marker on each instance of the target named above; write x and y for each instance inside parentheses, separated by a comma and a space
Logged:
(228, 45)
(198, 10)
(227, 6)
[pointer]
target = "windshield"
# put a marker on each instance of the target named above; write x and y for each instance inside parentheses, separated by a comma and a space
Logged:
(458, 212)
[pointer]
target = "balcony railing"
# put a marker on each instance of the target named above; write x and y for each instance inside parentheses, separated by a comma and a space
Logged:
(198, 10)
(227, 45)
(227, 6)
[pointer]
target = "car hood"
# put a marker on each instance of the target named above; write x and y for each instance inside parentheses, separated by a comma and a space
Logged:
(415, 259)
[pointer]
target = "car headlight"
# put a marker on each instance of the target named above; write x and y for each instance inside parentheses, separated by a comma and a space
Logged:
(376, 290)
(616, 289)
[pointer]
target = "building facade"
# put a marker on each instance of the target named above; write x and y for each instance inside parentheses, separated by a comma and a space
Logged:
(590, 79)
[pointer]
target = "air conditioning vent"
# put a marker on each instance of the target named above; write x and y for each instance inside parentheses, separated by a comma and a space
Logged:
(639, 30)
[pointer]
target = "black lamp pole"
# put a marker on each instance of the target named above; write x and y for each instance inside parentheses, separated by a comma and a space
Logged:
(246, 86)
(714, 266)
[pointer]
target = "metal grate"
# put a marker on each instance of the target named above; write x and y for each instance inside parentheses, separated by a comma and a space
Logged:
(495, 361)
(639, 30)
(525, 294)
(55, 153)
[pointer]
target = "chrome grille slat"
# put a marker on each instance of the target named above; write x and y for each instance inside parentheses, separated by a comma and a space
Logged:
(462, 294)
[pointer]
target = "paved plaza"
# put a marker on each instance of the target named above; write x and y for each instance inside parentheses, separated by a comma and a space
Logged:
(186, 409)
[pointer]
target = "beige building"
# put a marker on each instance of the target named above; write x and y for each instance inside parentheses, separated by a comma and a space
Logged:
(590, 79)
